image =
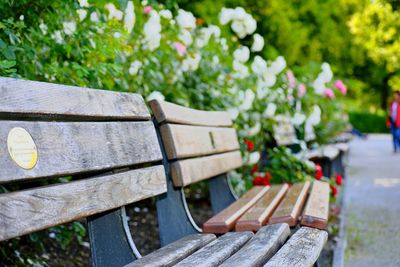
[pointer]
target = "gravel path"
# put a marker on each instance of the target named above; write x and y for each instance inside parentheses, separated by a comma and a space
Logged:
(373, 197)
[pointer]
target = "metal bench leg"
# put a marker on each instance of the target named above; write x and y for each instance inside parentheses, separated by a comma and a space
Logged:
(110, 241)
(221, 193)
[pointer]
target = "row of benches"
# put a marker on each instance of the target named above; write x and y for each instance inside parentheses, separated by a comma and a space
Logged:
(116, 155)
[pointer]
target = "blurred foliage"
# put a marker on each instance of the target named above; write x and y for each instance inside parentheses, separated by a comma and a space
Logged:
(368, 122)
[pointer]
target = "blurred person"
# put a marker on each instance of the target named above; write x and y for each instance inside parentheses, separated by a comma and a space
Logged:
(394, 120)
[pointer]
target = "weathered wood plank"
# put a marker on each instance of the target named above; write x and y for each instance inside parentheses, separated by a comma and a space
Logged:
(316, 212)
(27, 211)
(183, 141)
(259, 214)
(302, 249)
(217, 251)
(290, 208)
(35, 99)
(172, 113)
(188, 171)
(66, 148)
(174, 252)
(261, 247)
(225, 220)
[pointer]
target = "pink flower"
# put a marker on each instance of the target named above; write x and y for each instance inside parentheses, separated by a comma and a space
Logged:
(291, 79)
(340, 85)
(180, 48)
(147, 9)
(329, 93)
(301, 90)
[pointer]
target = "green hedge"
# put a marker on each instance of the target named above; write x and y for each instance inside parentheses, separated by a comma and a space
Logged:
(368, 122)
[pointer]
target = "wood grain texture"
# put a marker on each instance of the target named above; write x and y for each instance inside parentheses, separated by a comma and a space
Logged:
(217, 251)
(172, 113)
(259, 214)
(290, 208)
(66, 148)
(33, 99)
(188, 171)
(27, 211)
(225, 220)
(316, 212)
(302, 249)
(183, 141)
(268, 240)
(174, 252)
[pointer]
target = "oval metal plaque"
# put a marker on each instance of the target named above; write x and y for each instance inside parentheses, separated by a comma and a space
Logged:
(22, 148)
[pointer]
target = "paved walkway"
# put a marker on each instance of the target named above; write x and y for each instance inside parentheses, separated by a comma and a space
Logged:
(373, 197)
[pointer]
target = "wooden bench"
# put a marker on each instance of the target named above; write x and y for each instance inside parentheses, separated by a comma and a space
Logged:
(105, 142)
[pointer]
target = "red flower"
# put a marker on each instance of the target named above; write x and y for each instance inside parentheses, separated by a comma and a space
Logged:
(267, 177)
(334, 190)
(249, 144)
(318, 172)
(339, 179)
(254, 169)
(258, 180)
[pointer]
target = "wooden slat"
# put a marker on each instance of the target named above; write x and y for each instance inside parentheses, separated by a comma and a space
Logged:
(66, 148)
(317, 208)
(182, 141)
(35, 209)
(302, 249)
(217, 251)
(33, 99)
(259, 214)
(169, 112)
(290, 208)
(174, 252)
(225, 220)
(261, 247)
(188, 171)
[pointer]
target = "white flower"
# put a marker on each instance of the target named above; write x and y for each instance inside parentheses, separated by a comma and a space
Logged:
(129, 19)
(206, 33)
(156, 95)
(117, 35)
(43, 27)
(259, 65)
(262, 91)
(251, 131)
(94, 17)
(92, 43)
(241, 70)
(242, 54)
(226, 15)
(269, 79)
(233, 113)
(113, 12)
(69, 27)
(315, 117)
(186, 20)
(83, 3)
(270, 110)
(298, 119)
(324, 76)
(152, 30)
(186, 37)
(57, 37)
(191, 63)
(165, 13)
(82, 14)
(247, 101)
(22, 17)
(258, 43)
(253, 158)
(134, 67)
(242, 23)
(278, 65)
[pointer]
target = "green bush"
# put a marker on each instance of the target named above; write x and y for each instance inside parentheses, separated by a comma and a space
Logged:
(368, 122)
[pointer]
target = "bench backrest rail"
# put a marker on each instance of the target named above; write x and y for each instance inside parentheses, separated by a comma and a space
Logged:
(104, 140)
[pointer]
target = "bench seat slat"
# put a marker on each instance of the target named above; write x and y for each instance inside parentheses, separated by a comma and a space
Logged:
(225, 220)
(317, 208)
(290, 208)
(174, 252)
(66, 148)
(258, 215)
(261, 247)
(188, 171)
(302, 249)
(27, 211)
(217, 251)
(35, 99)
(172, 113)
(183, 141)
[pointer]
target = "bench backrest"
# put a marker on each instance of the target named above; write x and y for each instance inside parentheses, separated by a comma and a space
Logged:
(104, 138)
(198, 144)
